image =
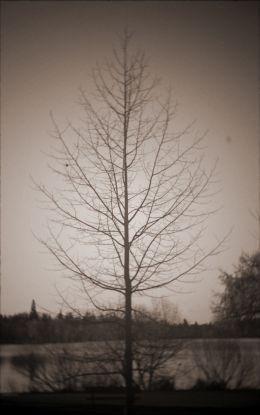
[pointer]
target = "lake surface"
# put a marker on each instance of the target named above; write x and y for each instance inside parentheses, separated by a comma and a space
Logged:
(215, 357)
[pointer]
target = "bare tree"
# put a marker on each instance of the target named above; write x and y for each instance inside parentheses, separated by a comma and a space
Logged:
(221, 364)
(63, 369)
(151, 355)
(130, 217)
(151, 347)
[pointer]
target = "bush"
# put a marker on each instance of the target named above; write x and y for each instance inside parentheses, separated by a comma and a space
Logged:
(205, 385)
(164, 384)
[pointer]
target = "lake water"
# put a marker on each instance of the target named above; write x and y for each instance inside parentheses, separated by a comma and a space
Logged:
(215, 357)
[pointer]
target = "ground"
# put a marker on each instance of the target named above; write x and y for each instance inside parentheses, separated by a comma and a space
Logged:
(162, 403)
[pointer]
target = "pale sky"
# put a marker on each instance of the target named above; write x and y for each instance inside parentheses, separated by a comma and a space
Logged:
(207, 51)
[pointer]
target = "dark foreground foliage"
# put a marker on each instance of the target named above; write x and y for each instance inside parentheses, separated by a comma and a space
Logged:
(97, 402)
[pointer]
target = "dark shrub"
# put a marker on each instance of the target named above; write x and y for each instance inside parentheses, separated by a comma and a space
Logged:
(205, 385)
(164, 384)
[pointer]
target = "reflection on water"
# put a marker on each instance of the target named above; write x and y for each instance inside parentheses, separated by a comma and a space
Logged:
(197, 359)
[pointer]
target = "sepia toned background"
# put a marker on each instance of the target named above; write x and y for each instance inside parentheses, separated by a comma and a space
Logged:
(207, 51)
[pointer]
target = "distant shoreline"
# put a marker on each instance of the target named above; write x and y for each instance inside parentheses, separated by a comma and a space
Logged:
(256, 337)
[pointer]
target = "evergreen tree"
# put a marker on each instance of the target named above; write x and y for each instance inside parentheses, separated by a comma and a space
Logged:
(33, 313)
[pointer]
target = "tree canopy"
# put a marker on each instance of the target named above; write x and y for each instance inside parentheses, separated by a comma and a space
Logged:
(130, 214)
(240, 299)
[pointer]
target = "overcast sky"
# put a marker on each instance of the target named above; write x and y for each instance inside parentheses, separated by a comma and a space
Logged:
(207, 51)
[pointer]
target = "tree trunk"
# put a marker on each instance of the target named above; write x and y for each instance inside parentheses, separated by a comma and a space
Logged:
(128, 289)
(128, 300)
(128, 312)
(128, 354)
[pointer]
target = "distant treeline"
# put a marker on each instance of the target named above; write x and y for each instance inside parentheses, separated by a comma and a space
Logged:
(42, 328)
